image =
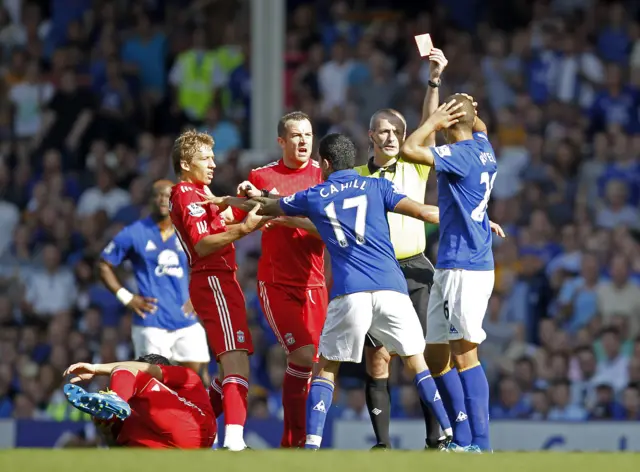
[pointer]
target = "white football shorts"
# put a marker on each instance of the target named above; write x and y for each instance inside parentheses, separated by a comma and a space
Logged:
(387, 315)
(181, 345)
(457, 305)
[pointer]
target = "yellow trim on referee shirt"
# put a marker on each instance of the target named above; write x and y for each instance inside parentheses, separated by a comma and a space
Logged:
(407, 234)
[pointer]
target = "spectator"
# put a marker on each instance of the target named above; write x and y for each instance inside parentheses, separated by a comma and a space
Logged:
(631, 403)
(562, 409)
(540, 405)
(511, 403)
(577, 301)
(606, 407)
(613, 368)
(51, 291)
(105, 196)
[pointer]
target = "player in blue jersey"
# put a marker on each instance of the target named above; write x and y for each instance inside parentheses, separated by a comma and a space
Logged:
(466, 169)
(164, 322)
(369, 293)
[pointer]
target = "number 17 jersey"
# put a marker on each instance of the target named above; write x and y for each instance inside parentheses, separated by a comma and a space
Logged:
(466, 171)
(350, 213)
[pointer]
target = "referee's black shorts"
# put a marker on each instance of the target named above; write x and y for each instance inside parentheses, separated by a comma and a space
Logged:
(418, 271)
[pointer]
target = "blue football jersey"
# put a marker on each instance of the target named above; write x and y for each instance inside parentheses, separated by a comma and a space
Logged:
(350, 213)
(466, 171)
(161, 271)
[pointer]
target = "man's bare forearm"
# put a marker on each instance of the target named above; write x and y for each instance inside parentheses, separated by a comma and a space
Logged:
(429, 105)
(430, 214)
(300, 223)
(241, 203)
(132, 366)
(109, 277)
(214, 242)
(414, 149)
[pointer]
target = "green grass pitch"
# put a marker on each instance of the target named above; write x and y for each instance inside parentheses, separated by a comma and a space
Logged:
(123, 460)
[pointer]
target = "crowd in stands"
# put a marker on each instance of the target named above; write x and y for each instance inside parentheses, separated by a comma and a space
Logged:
(93, 92)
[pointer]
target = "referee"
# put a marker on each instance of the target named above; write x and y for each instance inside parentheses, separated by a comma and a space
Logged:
(387, 131)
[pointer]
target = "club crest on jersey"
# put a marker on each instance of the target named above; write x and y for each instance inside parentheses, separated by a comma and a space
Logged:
(240, 336)
(169, 264)
(289, 339)
(443, 151)
(195, 210)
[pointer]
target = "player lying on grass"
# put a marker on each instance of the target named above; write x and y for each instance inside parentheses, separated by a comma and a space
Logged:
(150, 403)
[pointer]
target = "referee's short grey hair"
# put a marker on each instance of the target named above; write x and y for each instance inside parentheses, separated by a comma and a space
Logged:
(394, 117)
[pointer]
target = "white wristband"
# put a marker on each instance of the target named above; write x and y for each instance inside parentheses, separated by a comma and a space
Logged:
(124, 295)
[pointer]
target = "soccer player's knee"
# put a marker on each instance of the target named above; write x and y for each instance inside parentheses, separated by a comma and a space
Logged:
(235, 363)
(303, 356)
(377, 362)
(415, 364)
(464, 353)
(438, 357)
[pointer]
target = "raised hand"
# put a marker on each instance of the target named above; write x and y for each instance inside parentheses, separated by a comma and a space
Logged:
(437, 64)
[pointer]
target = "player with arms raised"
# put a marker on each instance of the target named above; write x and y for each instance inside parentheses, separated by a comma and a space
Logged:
(215, 293)
(291, 280)
(466, 169)
(369, 292)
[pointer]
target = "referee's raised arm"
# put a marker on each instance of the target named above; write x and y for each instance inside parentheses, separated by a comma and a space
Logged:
(387, 132)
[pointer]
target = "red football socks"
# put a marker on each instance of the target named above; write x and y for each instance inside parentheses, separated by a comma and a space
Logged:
(234, 399)
(123, 383)
(294, 401)
(215, 397)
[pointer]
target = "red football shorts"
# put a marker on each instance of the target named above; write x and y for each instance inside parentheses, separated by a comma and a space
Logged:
(219, 302)
(296, 314)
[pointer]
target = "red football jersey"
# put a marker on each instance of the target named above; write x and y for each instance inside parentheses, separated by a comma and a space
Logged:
(173, 413)
(290, 256)
(193, 222)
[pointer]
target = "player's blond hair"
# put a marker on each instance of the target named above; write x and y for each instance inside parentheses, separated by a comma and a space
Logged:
(186, 146)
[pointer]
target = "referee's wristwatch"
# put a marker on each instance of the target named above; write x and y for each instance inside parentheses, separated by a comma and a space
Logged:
(434, 83)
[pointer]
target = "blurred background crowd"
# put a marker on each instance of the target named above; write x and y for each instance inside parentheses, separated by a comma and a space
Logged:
(92, 94)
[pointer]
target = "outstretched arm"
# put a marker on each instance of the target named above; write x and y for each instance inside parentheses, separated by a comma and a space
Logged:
(85, 371)
(426, 213)
(437, 63)
(431, 214)
(269, 206)
(298, 222)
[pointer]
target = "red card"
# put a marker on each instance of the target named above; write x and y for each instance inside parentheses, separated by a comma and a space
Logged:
(425, 45)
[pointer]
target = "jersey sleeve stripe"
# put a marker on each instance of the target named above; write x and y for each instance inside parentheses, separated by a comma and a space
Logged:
(269, 314)
(223, 313)
(184, 246)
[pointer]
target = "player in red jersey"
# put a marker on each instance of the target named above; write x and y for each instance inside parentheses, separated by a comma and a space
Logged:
(214, 290)
(169, 405)
(291, 281)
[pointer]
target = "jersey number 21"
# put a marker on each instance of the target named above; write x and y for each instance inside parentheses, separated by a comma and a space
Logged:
(478, 213)
(360, 204)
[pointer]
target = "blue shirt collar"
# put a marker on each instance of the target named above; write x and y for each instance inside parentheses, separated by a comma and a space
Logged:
(342, 173)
